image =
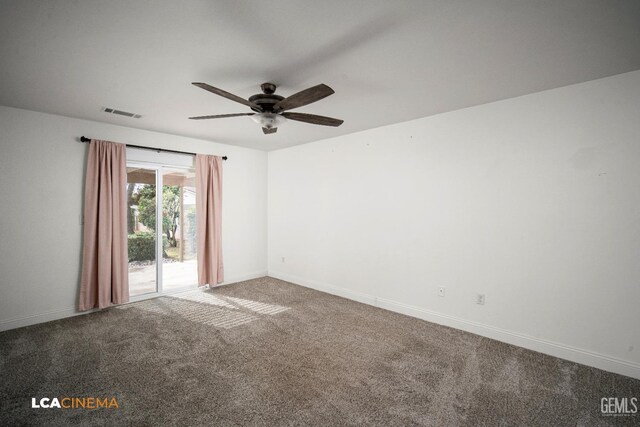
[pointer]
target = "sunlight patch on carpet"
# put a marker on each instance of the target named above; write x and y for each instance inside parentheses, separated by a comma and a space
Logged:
(195, 312)
(204, 297)
(258, 307)
(205, 308)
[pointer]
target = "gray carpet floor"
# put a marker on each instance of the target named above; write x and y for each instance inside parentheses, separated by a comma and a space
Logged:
(268, 352)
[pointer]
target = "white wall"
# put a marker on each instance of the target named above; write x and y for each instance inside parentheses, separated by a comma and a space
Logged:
(532, 201)
(42, 171)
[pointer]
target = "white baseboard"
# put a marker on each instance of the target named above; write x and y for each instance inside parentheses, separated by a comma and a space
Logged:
(243, 277)
(19, 322)
(585, 357)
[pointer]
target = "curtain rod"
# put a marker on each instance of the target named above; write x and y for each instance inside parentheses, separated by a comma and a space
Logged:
(85, 139)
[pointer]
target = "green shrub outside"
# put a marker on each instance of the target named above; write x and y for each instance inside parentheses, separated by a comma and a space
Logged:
(142, 246)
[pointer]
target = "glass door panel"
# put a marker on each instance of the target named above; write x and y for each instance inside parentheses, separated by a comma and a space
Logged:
(141, 230)
(179, 268)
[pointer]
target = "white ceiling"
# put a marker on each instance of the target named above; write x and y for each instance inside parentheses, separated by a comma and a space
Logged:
(388, 61)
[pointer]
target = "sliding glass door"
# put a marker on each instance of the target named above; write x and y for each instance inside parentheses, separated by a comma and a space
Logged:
(142, 212)
(179, 267)
(162, 254)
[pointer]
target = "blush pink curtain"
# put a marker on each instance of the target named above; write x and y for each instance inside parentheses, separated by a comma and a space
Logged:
(104, 280)
(209, 219)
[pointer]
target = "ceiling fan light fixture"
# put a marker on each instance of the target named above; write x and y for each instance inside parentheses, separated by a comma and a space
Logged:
(268, 120)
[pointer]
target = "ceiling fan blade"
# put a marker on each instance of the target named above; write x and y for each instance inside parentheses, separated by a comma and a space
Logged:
(227, 95)
(313, 119)
(305, 97)
(267, 131)
(221, 116)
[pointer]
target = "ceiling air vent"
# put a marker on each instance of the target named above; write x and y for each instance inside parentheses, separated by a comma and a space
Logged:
(121, 113)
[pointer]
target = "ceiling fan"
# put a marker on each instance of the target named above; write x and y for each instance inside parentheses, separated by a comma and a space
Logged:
(271, 110)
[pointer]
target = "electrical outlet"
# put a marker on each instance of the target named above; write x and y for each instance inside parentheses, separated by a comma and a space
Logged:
(441, 291)
(283, 259)
(480, 299)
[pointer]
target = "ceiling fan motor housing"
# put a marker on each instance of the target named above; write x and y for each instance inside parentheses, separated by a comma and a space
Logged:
(266, 100)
